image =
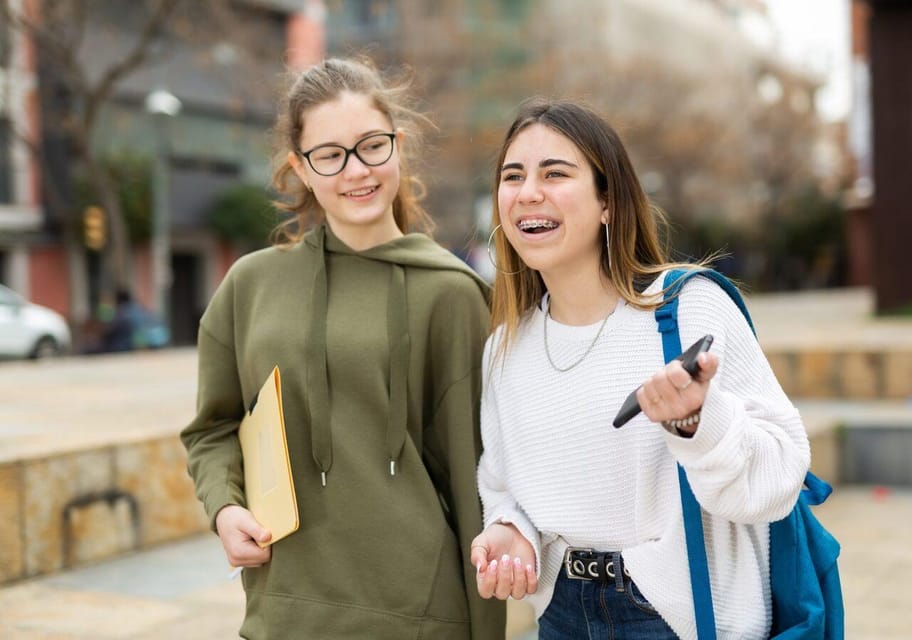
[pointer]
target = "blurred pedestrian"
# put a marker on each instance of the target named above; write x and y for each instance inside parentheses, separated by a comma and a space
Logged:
(118, 332)
(378, 334)
(584, 519)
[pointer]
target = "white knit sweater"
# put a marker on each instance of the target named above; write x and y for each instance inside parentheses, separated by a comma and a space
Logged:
(554, 465)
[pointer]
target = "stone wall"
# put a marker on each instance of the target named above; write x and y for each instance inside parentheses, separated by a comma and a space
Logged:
(859, 374)
(76, 507)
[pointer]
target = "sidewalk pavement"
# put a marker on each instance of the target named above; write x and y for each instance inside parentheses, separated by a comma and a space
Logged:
(182, 590)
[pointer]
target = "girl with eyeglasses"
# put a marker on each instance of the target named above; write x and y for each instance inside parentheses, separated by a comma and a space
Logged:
(584, 519)
(378, 333)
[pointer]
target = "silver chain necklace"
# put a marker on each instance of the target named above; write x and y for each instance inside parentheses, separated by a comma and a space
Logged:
(582, 357)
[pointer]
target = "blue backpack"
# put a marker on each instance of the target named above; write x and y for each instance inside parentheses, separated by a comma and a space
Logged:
(804, 577)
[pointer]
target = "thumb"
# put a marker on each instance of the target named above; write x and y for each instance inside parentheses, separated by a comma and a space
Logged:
(263, 535)
(709, 365)
(479, 552)
(254, 529)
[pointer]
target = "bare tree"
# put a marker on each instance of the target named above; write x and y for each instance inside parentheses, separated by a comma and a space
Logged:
(79, 82)
(57, 29)
(702, 138)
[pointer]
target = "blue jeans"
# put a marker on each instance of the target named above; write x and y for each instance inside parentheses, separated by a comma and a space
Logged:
(593, 610)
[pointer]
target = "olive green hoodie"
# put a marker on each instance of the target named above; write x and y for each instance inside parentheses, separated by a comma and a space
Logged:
(380, 354)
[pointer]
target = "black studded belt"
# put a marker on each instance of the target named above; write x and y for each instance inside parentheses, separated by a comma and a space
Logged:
(587, 564)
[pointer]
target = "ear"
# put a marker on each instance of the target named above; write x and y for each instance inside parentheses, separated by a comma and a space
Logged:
(400, 137)
(297, 164)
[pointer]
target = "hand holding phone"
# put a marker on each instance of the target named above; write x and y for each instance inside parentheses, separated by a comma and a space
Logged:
(688, 359)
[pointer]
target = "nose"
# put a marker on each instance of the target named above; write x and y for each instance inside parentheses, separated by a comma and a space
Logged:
(354, 168)
(530, 192)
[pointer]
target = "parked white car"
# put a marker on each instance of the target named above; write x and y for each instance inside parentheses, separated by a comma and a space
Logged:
(29, 330)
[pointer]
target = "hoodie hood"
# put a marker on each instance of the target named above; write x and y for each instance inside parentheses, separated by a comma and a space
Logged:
(412, 250)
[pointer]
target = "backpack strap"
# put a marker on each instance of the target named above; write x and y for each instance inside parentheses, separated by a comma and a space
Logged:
(667, 318)
(667, 314)
(815, 492)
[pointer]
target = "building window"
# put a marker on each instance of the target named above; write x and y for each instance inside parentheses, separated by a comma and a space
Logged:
(6, 164)
(361, 15)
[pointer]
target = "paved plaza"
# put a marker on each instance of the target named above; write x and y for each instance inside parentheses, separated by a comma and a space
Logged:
(183, 590)
(96, 420)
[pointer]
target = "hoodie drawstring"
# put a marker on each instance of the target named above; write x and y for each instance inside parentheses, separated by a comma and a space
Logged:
(317, 374)
(399, 341)
(317, 370)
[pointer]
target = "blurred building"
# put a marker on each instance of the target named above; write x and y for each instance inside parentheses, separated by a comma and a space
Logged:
(718, 125)
(21, 212)
(861, 191)
(223, 86)
(880, 135)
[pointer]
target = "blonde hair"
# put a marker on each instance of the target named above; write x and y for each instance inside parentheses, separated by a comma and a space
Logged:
(638, 254)
(317, 85)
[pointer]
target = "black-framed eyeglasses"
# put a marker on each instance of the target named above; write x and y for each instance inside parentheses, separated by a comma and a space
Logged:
(330, 159)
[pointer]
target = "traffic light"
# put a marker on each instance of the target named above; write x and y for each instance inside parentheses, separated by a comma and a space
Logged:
(94, 228)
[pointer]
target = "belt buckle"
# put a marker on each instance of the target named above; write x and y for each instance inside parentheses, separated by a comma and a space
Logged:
(577, 569)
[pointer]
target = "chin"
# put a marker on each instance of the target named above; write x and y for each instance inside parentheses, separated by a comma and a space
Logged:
(535, 260)
(364, 218)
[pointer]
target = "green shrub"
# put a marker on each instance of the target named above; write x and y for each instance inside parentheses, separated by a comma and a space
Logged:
(243, 214)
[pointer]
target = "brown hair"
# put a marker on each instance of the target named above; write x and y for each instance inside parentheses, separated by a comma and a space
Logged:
(637, 253)
(317, 85)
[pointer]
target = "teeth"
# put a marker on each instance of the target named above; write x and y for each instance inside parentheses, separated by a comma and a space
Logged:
(361, 192)
(527, 225)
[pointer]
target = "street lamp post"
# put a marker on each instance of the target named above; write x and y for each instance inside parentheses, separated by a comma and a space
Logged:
(162, 105)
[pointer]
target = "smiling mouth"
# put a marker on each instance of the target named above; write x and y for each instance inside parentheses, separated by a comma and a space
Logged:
(357, 193)
(537, 225)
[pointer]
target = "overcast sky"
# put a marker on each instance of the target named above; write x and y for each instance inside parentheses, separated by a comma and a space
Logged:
(816, 33)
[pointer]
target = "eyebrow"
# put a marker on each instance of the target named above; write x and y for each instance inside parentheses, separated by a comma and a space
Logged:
(547, 162)
(366, 134)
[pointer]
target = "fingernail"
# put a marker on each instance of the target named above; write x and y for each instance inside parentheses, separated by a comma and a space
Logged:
(505, 559)
(479, 567)
(493, 565)
(517, 563)
(529, 568)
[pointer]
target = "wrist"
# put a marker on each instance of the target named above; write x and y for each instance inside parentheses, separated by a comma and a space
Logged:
(506, 525)
(684, 427)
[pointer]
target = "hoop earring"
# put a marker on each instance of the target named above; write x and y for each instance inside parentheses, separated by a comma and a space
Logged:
(494, 259)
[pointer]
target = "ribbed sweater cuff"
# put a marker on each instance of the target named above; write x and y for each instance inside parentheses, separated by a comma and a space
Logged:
(718, 432)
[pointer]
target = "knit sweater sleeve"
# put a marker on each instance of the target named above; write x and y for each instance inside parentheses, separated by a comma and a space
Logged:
(213, 449)
(498, 503)
(749, 455)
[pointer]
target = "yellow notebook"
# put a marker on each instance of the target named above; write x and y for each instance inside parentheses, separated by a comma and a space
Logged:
(267, 469)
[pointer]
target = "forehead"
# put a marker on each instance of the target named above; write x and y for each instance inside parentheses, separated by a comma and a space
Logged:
(342, 120)
(537, 142)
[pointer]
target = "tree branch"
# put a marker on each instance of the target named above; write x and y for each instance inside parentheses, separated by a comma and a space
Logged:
(50, 41)
(132, 61)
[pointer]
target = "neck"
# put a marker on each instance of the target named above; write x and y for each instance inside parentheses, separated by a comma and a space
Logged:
(578, 299)
(364, 237)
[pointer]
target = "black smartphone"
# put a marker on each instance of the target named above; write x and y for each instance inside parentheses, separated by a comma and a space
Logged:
(688, 362)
